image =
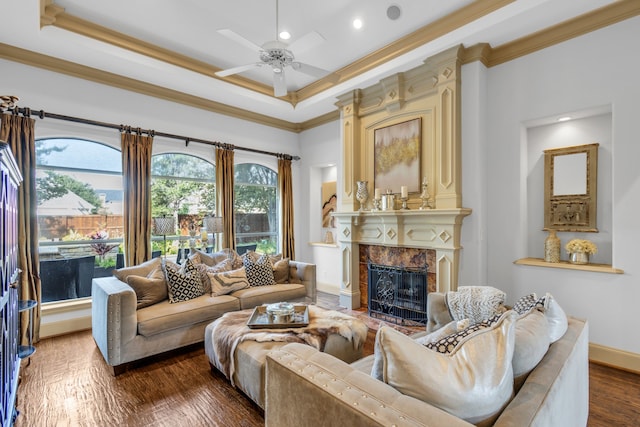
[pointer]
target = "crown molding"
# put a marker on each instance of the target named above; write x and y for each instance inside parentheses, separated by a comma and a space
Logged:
(52, 14)
(566, 30)
(57, 65)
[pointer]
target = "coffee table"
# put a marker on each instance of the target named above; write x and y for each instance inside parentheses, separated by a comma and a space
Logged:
(239, 352)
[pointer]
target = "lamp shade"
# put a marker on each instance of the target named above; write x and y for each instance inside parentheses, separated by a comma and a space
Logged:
(164, 225)
(213, 224)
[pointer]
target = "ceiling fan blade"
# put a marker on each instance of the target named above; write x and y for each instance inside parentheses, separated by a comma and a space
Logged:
(309, 69)
(279, 84)
(236, 70)
(232, 35)
(306, 42)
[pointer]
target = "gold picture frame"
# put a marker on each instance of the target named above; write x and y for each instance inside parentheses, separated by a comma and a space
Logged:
(396, 156)
(570, 188)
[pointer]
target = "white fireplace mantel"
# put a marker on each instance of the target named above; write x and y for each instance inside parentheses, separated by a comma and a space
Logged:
(437, 229)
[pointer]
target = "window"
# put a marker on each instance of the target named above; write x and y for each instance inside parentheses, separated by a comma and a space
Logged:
(79, 208)
(256, 208)
(182, 186)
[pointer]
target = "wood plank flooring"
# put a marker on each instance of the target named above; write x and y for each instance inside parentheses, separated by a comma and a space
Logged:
(67, 383)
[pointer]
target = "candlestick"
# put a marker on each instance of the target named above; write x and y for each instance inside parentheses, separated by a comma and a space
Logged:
(404, 192)
(376, 193)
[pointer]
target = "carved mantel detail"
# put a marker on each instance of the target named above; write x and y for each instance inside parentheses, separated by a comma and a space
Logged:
(437, 229)
(430, 92)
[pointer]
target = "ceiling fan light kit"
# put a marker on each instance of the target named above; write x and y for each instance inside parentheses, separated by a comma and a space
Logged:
(277, 55)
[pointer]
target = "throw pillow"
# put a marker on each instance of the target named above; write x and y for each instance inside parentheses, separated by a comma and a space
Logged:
(475, 303)
(555, 315)
(217, 257)
(260, 271)
(183, 282)
(532, 343)
(449, 328)
(225, 282)
(281, 270)
(556, 318)
(204, 269)
(138, 270)
(473, 382)
(148, 291)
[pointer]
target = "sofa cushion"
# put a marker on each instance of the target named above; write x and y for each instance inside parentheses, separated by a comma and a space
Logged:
(259, 271)
(225, 282)
(150, 289)
(257, 295)
(183, 281)
(138, 270)
(164, 316)
(473, 382)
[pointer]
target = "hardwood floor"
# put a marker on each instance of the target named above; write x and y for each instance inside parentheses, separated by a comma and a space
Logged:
(68, 384)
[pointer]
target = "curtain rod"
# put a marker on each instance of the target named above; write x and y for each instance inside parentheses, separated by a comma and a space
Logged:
(122, 128)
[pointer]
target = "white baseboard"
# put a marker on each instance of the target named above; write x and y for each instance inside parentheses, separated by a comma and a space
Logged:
(615, 358)
(66, 326)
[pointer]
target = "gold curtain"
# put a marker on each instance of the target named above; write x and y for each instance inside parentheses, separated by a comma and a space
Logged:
(225, 194)
(19, 132)
(136, 175)
(285, 188)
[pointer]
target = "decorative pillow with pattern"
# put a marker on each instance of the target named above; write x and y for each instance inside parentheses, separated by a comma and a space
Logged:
(225, 282)
(204, 269)
(260, 271)
(527, 302)
(183, 282)
(555, 315)
(449, 343)
(474, 382)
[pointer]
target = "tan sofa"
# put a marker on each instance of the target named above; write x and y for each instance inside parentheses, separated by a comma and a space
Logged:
(306, 387)
(125, 334)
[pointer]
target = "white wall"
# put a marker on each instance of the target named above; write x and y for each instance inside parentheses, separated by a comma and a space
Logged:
(600, 68)
(320, 147)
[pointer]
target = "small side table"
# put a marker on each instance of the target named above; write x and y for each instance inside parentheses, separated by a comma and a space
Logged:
(25, 351)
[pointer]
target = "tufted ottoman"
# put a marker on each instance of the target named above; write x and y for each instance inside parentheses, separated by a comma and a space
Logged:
(239, 352)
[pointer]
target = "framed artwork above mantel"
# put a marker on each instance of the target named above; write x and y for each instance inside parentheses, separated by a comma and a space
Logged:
(397, 150)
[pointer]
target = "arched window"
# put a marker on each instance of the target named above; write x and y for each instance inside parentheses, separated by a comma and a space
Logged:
(79, 201)
(184, 187)
(256, 208)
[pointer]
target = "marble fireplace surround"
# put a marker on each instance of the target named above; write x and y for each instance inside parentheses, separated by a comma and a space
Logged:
(399, 237)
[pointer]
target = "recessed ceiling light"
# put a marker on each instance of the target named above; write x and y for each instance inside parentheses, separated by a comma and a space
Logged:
(357, 23)
(284, 35)
(564, 119)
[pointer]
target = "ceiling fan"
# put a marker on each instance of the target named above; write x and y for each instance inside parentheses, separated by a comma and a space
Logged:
(278, 55)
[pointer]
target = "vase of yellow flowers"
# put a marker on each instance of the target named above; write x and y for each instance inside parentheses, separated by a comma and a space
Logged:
(579, 250)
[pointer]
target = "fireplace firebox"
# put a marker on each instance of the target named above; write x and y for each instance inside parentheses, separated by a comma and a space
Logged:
(397, 293)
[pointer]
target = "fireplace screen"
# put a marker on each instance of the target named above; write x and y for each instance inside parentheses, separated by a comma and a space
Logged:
(397, 293)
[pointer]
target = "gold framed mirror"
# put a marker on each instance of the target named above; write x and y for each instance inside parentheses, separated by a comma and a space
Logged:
(570, 188)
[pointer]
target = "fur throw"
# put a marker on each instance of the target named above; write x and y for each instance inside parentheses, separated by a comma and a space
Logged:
(231, 329)
(476, 303)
